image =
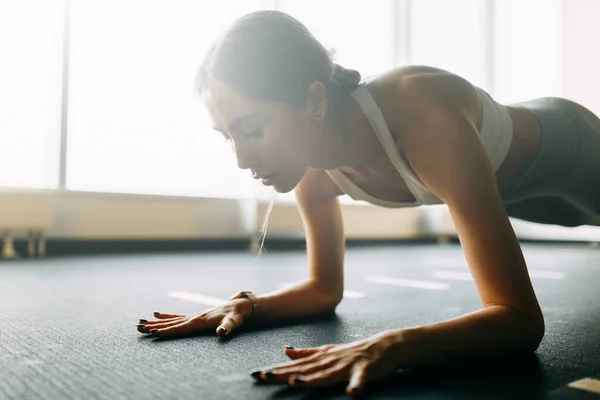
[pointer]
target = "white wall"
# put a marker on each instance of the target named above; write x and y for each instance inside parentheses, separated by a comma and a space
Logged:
(581, 52)
(90, 215)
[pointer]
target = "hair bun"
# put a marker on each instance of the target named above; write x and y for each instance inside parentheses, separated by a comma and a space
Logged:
(345, 79)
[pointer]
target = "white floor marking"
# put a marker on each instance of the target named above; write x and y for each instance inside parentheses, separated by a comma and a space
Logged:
(446, 262)
(460, 276)
(450, 263)
(349, 294)
(588, 384)
(466, 276)
(408, 283)
(353, 295)
(539, 273)
(197, 298)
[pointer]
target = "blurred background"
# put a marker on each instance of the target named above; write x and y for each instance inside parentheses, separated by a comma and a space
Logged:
(102, 137)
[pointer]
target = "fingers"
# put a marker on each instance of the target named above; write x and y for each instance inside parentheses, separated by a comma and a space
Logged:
(229, 323)
(146, 328)
(183, 328)
(320, 378)
(358, 379)
(295, 354)
(167, 316)
(304, 366)
(284, 374)
(177, 324)
(319, 374)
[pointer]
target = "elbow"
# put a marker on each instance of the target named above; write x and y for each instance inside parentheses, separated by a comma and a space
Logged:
(333, 300)
(528, 329)
(532, 332)
(328, 305)
(331, 297)
(538, 330)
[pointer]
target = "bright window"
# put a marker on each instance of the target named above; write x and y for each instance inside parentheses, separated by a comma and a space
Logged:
(136, 124)
(362, 40)
(449, 35)
(528, 57)
(31, 38)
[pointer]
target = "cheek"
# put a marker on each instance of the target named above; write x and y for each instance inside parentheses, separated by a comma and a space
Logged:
(297, 138)
(290, 147)
(289, 140)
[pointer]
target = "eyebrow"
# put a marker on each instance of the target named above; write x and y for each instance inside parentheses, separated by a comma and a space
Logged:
(238, 121)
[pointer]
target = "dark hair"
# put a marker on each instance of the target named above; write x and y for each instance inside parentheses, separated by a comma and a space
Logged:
(271, 56)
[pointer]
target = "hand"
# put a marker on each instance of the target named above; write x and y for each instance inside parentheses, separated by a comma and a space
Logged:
(225, 318)
(356, 363)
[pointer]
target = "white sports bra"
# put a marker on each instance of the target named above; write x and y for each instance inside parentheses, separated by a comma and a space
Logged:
(496, 134)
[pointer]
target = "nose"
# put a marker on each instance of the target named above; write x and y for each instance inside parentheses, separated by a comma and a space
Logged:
(245, 157)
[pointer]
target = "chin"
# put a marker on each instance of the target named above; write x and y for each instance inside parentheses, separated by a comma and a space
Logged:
(285, 185)
(282, 188)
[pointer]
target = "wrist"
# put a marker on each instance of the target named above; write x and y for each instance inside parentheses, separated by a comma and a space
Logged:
(243, 306)
(255, 303)
(403, 346)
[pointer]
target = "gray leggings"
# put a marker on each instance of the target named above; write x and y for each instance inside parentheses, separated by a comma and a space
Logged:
(562, 186)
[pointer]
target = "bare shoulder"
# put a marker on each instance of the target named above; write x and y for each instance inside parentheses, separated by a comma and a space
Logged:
(316, 185)
(407, 94)
(432, 111)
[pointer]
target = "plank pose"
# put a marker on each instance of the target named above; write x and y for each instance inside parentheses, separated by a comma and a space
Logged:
(411, 136)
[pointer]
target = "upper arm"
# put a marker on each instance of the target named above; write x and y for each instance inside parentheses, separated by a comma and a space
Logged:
(321, 215)
(448, 155)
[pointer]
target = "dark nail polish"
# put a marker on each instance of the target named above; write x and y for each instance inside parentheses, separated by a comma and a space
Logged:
(354, 391)
(298, 379)
(269, 375)
(289, 347)
(256, 374)
(143, 321)
(156, 313)
(141, 326)
(153, 330)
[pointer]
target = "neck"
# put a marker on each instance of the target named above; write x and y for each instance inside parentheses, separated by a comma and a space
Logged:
(346, 139)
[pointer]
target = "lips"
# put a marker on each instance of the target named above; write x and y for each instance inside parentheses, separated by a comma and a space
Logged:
(267, 180)
(262, 177)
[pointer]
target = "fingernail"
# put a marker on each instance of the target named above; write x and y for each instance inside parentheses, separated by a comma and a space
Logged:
(298, 379)
(353, 391)
(143, 321)
(256, 374)
(156, 313)
(153, 331)
(269, 375)
(289, 347)
(222, 330)
(141, 326)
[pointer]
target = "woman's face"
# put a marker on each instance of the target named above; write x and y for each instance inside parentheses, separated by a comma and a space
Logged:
(272, 139)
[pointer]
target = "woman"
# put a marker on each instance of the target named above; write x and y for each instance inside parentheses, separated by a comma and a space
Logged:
(412, 136)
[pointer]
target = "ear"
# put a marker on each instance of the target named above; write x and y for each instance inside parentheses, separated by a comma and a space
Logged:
(317, 103)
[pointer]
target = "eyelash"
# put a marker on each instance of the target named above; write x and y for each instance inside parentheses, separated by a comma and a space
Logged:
(254, 133)
(250, 135)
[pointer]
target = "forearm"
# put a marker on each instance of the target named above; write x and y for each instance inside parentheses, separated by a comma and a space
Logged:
(489, 332)
(300, 300)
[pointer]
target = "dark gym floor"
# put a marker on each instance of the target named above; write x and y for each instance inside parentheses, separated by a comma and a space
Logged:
(67, 324)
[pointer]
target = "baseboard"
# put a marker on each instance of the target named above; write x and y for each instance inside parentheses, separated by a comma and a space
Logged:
(63, 247)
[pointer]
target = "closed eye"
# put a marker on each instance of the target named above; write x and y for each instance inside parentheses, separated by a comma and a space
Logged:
(254, 134)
